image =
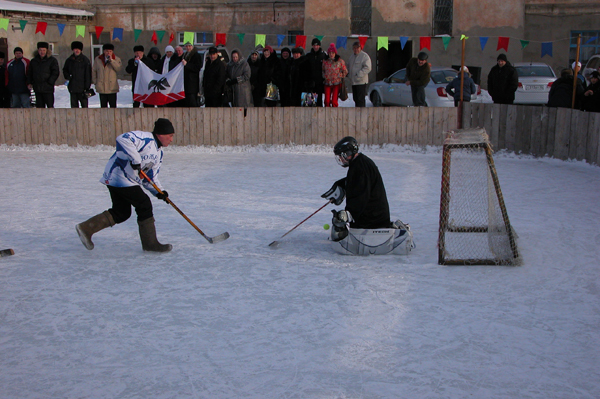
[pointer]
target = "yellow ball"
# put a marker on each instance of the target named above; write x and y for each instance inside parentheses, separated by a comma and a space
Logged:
(326, 226)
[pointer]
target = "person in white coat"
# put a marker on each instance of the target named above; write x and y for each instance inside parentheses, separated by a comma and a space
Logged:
(136, 150)
(359, 66)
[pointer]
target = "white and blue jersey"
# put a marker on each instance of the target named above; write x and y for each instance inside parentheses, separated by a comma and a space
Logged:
(135, 147)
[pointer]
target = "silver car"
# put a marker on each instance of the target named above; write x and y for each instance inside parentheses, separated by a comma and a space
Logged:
(535, 80)
(394, 91)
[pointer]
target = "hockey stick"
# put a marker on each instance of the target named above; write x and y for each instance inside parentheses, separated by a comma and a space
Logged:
(212, 240)
(275, 243)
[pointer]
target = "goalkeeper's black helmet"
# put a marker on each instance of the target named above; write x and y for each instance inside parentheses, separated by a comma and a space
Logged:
(345, 150)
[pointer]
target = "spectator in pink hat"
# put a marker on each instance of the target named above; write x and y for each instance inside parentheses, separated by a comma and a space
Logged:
(334, 70)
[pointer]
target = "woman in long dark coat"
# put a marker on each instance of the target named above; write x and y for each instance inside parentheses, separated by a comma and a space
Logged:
(238, 78)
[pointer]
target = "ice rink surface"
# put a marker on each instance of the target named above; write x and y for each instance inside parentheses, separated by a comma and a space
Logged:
(240, 320)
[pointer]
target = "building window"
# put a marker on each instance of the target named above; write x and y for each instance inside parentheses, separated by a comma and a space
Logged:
(442, 17)
(292, 36)
(589, 45)
(202, 39)
(360, 18)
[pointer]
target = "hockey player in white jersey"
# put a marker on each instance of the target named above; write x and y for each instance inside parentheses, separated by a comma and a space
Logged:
(136, 150)
(363, 227)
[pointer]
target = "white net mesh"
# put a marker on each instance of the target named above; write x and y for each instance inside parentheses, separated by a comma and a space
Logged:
(474, 226)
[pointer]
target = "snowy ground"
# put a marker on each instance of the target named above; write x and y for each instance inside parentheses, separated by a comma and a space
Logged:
(240, 320)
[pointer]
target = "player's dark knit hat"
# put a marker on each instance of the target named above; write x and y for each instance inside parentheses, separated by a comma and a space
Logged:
(163, 126)
(502, 57)
(76, 45)
(17, 49)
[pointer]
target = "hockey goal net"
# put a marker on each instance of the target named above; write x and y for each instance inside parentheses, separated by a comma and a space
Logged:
(474, 224)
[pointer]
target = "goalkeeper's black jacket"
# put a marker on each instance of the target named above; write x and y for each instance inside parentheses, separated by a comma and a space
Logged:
(366, 199)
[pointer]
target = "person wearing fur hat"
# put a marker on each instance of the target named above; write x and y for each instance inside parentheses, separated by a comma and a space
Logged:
(43, 72)
(132, 67)
(285, 83)
(4, 93)
(16, 81)
(503, 81)
(334, 70)
(270, 72)
(314, 73)
(561, 91)
(136, 150)
(591, 99)
(214, 79)
(104, 76)
(418, 75)
(78, 75)
(297, 76)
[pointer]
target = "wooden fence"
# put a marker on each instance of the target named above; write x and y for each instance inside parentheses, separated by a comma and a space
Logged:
(558, 132)
(561, 133)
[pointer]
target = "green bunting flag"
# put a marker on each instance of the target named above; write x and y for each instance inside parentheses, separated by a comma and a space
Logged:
(136, 34)
(188, 37)
(4, 23)
(463, 37)
(160, 34)
(79, 31)
(382, 42)
(524, 43)
(446, 41)
(241, 37)
(23, 23)
(260, 40)
(320, 37)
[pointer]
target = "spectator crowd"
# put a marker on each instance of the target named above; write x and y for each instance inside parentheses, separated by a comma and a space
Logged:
(263, 79)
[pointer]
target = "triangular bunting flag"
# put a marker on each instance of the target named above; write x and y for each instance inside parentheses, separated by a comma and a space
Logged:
(301, 41)
(171, 37)
(4, 23)
(382, 42)
(524, 43)
(188, 37)
(61, 28)
(591, 39)
(221, 38)
(41, 27)
(280, 39)
(503, 43)
(446, 41)
(99, 30)
(341, 42)
(483, 42)
(154, 38)
(241, 37)
(403, 41)
(425, 42)
(117, 34)
(547, 49)
(79, 31)
(23, 23)
(160, 34)
(136, 34)
(362, 40)
(320, 37)
(260, 40)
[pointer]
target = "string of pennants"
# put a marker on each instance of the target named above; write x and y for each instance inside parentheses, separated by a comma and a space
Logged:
(261, 39)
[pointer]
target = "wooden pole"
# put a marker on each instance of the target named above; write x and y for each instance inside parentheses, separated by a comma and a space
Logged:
(575, 72)
(459, 123)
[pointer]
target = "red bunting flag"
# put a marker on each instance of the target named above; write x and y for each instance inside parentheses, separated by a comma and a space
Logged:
(41, 27)
(301, 41)
(154, 38)
(99, 30)
(425, 42)
(171, 37)
(221, 39)
(502, 43)
(362, 40)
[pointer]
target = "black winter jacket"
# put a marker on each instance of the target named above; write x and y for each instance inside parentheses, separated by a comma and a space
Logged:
(314, 65)
(132, 68)
(78, 71)
(213, 81)
(191, 72)
(43, 73)
(270, 71)
(561, 93)
(502, 83)
(366, 199)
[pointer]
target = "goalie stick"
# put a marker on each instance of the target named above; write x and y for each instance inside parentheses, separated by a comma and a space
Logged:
(6, 252)
(212, 240)
(275, 243)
